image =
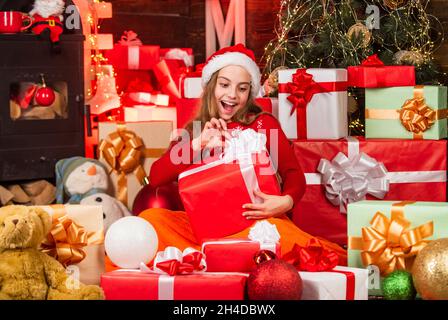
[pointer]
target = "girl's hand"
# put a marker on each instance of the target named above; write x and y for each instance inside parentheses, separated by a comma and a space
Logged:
(273, 206)
(212, 135)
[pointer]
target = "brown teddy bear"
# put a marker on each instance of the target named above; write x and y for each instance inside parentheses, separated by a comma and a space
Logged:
(27, 273)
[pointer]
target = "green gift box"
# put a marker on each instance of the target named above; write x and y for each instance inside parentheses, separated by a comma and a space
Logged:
(418, 112)
(395, 229)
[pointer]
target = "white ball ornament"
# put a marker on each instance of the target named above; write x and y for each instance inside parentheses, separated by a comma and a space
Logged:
(130, 241)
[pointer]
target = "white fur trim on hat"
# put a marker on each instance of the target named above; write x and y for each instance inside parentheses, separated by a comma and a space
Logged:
(233, 58)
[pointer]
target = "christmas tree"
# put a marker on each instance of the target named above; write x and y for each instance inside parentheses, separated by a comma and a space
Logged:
(341, 33)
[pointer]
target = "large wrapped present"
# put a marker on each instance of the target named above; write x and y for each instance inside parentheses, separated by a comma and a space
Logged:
(135, 81)
(238, 255)
(187, 109)
(340, 283)
(348, 170)
(313, 103)
(130, 54)
(387, 235)
(175, 275)
(230, 180)
(135, 285)
(77, 240)
(150, 113)
(418, 112)
(372, 73)
(128, 150)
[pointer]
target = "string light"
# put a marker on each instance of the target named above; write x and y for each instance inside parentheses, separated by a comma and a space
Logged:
(314, 33)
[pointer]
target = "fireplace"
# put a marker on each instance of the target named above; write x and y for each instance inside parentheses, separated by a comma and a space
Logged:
(31, 144)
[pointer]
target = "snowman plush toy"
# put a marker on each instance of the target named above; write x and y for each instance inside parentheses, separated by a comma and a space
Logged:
(47, 21)
(84, 181)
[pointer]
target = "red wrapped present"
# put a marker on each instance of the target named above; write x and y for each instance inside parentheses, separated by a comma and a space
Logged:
(372, 73)
(187, 109)
(353, 169)
(129, 53)
(136, 285)
(165, 80)
(229, 179)
(235, 255)
(130, 80)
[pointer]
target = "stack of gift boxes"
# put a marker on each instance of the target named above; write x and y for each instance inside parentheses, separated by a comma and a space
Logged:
(401, 163)
(359, 189)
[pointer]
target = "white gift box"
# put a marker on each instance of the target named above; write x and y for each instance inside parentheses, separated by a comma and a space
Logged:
(326, 113)
(146, 97)
(191, 87)
(150, 113)
(335, 285)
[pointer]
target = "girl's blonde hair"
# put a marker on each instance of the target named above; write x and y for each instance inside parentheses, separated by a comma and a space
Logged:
(209, 108)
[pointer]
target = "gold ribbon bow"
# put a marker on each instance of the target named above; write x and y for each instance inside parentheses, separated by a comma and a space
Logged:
(123, 151)
(67, 239)
(388, 244)
(415, 115)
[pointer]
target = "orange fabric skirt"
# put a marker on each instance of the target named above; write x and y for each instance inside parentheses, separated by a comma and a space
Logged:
(173, 229)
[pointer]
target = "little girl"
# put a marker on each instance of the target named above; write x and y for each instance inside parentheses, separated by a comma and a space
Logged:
(231, 80)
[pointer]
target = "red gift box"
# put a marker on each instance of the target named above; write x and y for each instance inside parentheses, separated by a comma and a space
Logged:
(136, 285)
(128, 80)
(133, 57)
(187, 109)
(229, 184)
(372, 73)
(234, 255)
(416, 170)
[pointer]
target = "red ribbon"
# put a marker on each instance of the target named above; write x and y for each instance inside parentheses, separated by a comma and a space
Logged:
(313, 257)
(301, 90)
(372, 61)
(191, 262)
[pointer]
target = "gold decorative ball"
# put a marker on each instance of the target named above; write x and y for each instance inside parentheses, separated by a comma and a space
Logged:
(360, 29)
(430, 271)
(408, 57)
(394, 4)
(271, 83)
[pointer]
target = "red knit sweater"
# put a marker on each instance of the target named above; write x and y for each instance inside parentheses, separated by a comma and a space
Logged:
(293, 180)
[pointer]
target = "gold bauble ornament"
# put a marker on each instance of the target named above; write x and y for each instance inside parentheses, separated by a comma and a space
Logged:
(360, 29)
(394, 4)
(430, 271)
(271, 83)
(408, 57)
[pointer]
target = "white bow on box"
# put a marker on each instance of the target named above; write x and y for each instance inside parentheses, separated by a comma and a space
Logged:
(243, 144)
(349, 180)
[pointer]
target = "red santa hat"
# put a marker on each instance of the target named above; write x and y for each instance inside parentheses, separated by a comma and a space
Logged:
(237, 55)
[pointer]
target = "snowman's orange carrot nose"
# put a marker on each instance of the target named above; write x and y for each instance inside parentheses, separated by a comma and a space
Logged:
(91, 171)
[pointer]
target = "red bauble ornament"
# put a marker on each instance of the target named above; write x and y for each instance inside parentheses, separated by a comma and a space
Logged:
(274, 280)
(44, 96)
(166, 196)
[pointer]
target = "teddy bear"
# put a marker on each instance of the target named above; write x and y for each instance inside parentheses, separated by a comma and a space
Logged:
(76, 176)
(112, 208)
(27, 273)
(47, 21)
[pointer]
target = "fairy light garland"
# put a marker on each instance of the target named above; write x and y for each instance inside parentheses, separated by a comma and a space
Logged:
(303, 27)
